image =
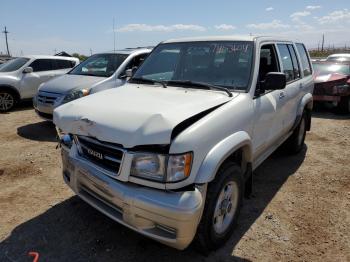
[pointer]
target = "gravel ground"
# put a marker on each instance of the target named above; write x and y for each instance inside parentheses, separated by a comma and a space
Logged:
(300, 210)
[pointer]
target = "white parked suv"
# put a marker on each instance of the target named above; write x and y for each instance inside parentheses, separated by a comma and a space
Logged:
(20, 77)
(171, 154)
(98, 72)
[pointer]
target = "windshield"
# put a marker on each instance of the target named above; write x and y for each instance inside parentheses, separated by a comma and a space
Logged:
(220, 63)
(325, 69)
(13, 64)
(103, 65)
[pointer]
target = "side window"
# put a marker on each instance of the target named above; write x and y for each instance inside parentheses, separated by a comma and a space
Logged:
(268, 61)
(39, 65)
(287, 62)
(136, 61)
(305, 62)
(63, 64)
(296, 68)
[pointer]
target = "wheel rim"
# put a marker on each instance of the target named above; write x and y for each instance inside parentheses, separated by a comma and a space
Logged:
(225, 208)
(6, 101)
(301, 131)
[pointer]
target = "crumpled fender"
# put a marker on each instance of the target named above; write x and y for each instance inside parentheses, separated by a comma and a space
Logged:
(220, 152)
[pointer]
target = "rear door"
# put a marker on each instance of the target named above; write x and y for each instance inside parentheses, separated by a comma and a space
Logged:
(291, 68)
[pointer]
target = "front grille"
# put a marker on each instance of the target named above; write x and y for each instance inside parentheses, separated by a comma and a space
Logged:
(105, 155)
(47, 98)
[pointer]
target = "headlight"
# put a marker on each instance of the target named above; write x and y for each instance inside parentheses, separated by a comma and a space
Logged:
(75, 95)
(340, 89)
(64, 139)
(162, 168)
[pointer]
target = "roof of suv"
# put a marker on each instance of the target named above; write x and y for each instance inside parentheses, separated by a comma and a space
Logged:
(225, 38)
(49, 57)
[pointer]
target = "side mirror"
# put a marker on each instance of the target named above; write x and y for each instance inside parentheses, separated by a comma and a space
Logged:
(28, 70)
(275, 81)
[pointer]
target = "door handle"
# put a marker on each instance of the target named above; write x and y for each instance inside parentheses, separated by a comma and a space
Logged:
(300, 85)
(281, 95)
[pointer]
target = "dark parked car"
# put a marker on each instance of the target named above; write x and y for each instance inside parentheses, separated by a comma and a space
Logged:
(332, 84)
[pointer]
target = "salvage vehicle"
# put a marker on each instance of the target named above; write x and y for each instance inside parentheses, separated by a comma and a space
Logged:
(171, 153)
(20, 77)
(338, 58)
(332, 84)
(99, 72)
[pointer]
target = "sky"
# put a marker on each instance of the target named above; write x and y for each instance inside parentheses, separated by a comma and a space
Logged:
(43, 27)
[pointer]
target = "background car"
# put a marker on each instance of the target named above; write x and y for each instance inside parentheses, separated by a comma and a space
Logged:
(99, 72)
(332, 84)
(20, 78)
(339, 58)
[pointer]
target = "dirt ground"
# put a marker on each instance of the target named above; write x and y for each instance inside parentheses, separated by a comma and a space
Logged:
(300, 210)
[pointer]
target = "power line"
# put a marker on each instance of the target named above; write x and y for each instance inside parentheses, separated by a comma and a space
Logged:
(7, 44)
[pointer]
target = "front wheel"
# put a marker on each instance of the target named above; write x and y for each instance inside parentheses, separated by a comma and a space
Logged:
(7, 101)
(222, 206)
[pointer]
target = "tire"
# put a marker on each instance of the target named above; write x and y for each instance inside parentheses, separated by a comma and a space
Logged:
(7, 101)
(343, 106)
(221, 208)
(295, 142)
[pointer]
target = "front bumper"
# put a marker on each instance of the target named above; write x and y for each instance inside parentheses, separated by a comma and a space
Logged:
(44, 104)
(168, 217)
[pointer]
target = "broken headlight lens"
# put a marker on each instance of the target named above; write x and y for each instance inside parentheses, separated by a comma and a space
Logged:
(64, 139)
(75, 95)
(161, 168)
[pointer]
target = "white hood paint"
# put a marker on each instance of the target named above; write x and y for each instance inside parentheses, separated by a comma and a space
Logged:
(135, 114)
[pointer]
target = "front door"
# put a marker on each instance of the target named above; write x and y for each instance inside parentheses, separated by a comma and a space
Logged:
(268, 105)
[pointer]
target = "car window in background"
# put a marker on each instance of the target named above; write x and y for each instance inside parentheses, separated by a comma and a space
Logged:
(338, 59)
(305, 63)
(13, 64)
(40, 65)
(103, 65)
(223, 63)
(63, 64)
(329, 68)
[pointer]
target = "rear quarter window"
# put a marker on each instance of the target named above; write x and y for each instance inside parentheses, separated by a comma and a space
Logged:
(304, 60)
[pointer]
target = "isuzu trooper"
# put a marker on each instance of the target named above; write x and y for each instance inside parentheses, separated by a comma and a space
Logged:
(171, 154)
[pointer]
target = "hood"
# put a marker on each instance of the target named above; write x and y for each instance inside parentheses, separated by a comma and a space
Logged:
(66, 83)
(135, 115)
(329, 78)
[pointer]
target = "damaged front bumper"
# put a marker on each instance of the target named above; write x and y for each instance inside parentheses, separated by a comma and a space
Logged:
(168, 217)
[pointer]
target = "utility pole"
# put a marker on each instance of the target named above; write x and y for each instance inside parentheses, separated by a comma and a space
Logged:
(113, 35)
(7, 44)
(322, 42)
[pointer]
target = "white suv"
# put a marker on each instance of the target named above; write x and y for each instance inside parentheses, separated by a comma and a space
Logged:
(20, 77)
(171, 154)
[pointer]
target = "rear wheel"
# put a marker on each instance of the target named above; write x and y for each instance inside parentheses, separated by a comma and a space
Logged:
(7, 101)
(222, 206)
(343, 106)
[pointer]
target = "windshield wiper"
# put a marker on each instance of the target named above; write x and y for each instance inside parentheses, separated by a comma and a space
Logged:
(146, 80)
(200, 84)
